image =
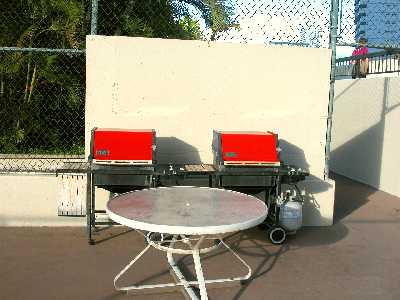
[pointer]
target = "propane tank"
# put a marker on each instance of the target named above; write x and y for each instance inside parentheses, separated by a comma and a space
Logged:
(290, 214)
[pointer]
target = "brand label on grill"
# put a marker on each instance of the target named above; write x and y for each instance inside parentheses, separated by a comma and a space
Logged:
(103, 152)
(230, 154)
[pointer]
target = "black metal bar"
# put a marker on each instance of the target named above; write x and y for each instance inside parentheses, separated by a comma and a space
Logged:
(332, 46)
(370, 45)
(89, 208)
(90, 212)
(93, 202)
(45, 50)
(369, 55)
(106, 223)
(379, 63)
(94, 16)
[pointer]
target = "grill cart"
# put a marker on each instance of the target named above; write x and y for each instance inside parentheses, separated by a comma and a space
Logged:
(125, 160)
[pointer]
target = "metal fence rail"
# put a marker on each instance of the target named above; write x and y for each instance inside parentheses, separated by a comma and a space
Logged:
(382, 62)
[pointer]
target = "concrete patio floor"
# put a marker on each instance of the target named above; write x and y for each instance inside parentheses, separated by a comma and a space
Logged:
(357, 258)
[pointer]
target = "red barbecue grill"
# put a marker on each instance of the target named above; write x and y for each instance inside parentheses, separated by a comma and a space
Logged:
(123, 160)
(245, 148)
(124, 146)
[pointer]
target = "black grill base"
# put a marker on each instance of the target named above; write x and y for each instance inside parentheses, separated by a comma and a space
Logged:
(263, 182)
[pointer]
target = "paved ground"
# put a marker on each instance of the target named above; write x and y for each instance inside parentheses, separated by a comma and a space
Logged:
(357, 258)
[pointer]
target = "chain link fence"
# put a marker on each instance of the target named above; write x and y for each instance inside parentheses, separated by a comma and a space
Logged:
(376, 20)
(42, 83)
(42, 115)
(300, 22)
(42, 58)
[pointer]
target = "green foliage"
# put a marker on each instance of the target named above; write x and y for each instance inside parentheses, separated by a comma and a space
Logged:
(43, 23)
(217, 14)
(192, 27)
(42, 94)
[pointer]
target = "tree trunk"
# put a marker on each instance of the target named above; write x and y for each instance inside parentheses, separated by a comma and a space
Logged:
(2, 86)
(27, 79)
(33, 81)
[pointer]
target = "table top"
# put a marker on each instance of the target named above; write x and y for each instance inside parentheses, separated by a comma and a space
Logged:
(187, 210)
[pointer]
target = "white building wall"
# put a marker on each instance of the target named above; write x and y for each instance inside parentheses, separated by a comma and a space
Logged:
(365, 134)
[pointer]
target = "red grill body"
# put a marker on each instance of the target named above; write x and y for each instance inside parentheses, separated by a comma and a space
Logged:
(245, 148)
(123, 146)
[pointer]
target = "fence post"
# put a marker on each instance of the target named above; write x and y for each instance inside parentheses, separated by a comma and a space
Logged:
(332, 46)
(93, 21)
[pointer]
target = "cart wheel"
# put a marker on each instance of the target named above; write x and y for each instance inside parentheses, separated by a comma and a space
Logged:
(277, 235)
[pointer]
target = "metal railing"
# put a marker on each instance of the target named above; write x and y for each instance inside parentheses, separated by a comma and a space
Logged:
(382, 62)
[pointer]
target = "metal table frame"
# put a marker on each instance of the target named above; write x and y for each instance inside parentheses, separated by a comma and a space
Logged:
(195, 250)
(183, 239)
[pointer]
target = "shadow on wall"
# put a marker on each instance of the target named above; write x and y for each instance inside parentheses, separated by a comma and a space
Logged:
(360, 158)
(361, 153)
(293, 155)
(369, 159)
(174, 150)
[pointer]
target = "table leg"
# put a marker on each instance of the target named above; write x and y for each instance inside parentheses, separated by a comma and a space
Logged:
(199, 269)
(177, 274)
(126, 268)
(182, 283)
(199, 274)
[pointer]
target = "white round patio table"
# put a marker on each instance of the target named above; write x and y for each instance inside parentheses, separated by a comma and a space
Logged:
(185, 216)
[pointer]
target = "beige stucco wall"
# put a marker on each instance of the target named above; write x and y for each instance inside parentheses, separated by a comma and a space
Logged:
(31, 200)
(365, 135)
(185, 89)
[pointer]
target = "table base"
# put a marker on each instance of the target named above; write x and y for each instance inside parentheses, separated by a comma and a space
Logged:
(181, 283)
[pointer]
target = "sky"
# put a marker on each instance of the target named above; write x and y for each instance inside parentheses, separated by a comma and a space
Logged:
(272, 21)
(343, 51)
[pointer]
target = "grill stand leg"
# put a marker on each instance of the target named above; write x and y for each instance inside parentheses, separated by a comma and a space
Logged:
(89, 212)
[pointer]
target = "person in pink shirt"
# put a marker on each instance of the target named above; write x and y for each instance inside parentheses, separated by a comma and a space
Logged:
(360, 66)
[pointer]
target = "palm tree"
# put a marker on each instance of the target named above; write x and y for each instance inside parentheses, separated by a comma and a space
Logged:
(162, 18)
(217, 14)
(45, 92)
(43, 24)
